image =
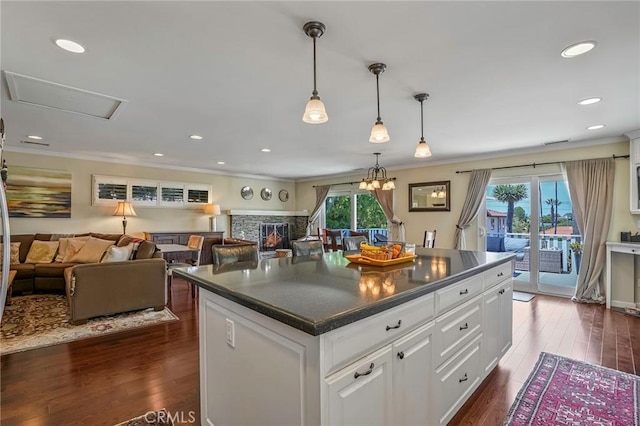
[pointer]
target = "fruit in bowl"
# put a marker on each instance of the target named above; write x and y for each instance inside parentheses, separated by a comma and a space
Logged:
(381, 252)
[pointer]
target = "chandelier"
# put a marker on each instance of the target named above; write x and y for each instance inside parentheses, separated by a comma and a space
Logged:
(377, 178)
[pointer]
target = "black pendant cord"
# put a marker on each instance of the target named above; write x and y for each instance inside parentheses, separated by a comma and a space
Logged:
(315, 92)
(378, 95)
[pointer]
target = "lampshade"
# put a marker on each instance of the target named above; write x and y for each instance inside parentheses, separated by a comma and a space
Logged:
(441, 193)
(124, 208)
(212, 209)
(422, 150)
(314, 112)
(379, 133)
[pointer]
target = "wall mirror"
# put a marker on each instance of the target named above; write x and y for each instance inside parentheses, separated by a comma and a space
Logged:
(246, 192)
(430, 196)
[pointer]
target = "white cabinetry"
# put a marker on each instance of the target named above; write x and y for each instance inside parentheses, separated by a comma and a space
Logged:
(634, 171)
(497, 324)
(413, 364)
(361, 393)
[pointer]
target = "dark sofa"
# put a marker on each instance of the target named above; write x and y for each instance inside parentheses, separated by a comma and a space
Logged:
(499, 244)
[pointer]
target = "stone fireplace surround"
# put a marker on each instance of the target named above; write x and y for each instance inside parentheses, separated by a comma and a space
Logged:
(245, 224)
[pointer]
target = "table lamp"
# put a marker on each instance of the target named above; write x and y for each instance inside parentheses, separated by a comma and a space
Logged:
(124, 209)
(213, 210)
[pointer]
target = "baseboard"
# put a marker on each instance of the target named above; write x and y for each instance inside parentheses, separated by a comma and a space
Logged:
(621, 304)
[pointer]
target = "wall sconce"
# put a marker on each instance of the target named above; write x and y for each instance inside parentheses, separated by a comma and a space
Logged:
(124, 209)
(212, 210)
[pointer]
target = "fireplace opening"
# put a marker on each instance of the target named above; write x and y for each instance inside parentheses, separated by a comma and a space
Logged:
(274, 236)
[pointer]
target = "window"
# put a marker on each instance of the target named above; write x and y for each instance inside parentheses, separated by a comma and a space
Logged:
(144, 193)
(107, 191)
(356, 210)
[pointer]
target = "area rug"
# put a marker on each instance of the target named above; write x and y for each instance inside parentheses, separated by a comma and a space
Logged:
(563, 391)
(151, 418)
(523, 297)
(40, 320)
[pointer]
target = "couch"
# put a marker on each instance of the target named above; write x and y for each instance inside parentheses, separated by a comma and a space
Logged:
(515, 245)
(95, 289)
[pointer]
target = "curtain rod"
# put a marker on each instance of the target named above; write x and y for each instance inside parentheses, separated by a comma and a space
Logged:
(615, 157)
(349, 183)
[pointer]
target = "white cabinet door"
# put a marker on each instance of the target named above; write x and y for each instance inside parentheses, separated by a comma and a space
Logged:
(361, 393)
(412, 377)
(497, 324)
(506, 317)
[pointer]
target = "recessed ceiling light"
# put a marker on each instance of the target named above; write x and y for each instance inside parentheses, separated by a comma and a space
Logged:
(69, 46)
(595, 127)
(265, 150)
(221, 162)
(158, 154)
(196, 137)
(578, 49)
(38, 138)
(589, 101)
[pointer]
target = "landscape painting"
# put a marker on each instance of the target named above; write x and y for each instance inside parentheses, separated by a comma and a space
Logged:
(38, 193)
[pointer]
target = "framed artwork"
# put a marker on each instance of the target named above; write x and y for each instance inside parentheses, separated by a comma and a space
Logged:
(430, 196)
(38, 193)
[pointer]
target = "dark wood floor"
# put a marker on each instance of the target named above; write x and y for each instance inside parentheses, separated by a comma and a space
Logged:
(106, 380)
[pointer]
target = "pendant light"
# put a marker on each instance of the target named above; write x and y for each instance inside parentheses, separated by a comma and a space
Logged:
(379, 133)
(377, 178)
(422, 150)
(314, 113)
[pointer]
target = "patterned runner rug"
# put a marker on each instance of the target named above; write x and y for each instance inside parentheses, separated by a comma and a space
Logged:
(40, 320)
(152, 418)
(563, 391)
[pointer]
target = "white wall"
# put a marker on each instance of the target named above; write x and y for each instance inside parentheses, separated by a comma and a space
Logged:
(85, 217)
(444, 222)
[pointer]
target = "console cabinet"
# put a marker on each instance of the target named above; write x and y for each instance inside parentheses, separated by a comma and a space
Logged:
(210, 238)
(414, 364)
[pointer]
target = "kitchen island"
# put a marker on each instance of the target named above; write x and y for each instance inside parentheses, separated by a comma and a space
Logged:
(319, 340)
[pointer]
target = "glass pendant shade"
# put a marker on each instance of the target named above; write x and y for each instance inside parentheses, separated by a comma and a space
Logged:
(441, 193)
(315, 113)
(434, 194)
(422, 150)
(363, 184)
(379, 133)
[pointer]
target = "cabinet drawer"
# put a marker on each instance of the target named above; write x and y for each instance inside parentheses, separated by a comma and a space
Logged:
(454, 295)
(456, 380)
(495, 275)
(353, 341)
(457, 328)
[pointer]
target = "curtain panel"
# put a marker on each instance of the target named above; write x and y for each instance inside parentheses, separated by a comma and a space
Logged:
(385, 199)
(321, 195)
(475, 194)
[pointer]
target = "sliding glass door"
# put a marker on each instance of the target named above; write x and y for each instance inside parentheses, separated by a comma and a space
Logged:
(532, 218)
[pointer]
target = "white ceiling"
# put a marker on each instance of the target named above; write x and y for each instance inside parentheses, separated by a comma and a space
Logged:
(240, 73)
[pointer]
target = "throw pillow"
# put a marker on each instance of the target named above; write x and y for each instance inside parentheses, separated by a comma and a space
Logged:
(42, 251)
(15, 253)
(90, 251)
(117, 254)
(63, 249)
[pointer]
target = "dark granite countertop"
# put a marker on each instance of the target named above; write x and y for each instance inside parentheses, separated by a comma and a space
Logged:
(319, 294)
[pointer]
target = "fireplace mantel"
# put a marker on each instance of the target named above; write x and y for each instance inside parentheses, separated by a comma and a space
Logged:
(267, 213)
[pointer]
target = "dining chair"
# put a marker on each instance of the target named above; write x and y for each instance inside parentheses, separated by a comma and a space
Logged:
(364, 234)
(353, 243)
(195, 243)
(226, 254)
(429, 239)
(307, 248)
(333, 236)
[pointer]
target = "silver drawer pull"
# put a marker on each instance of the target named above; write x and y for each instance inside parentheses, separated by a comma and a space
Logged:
(465, 291)
(464, 327)
(366, 373)
(501, 274)
(394, 326)
(464, 379)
